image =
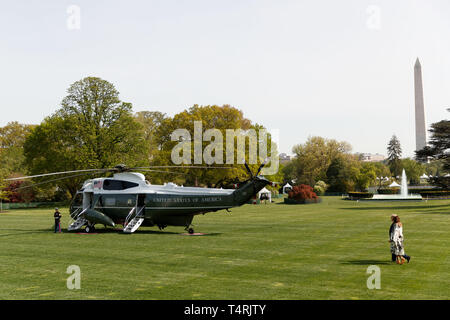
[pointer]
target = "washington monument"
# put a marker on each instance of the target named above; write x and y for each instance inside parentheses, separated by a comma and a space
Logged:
(421, 133)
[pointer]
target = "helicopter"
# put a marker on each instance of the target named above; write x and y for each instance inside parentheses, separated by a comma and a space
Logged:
(127, 198)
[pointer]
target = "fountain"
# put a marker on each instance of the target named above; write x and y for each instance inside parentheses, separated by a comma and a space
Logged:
(404, 186)
(403, 196)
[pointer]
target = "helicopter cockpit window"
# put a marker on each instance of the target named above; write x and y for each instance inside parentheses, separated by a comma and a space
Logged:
(118, 185)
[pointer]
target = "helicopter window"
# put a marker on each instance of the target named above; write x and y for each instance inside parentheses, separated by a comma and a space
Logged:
(131, 202)
(109, 202)
(118, 185)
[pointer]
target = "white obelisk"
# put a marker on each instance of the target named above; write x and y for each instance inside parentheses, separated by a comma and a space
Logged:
(421, 133)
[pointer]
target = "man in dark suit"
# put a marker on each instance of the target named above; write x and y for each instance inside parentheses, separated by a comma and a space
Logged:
(57, 216)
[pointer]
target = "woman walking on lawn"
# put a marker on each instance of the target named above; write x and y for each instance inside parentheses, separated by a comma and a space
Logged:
(396, 240)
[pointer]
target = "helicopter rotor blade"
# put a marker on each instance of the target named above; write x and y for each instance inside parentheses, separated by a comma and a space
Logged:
(57, 173)
(186, 167)
(115, 169)
(262, 166)
(161, 171)
(53, 180)
(248, 169)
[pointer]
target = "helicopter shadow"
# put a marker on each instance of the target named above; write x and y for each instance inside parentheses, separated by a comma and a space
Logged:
(17, 232)
(150, 232)
(157, 232)
(147, 232)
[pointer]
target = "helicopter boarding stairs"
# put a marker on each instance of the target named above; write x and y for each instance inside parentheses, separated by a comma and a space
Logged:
(133, 223)
(77, 219)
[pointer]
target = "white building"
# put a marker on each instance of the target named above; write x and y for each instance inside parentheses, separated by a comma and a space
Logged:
(370, 157)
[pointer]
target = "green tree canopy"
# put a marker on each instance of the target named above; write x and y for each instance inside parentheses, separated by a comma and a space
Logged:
(438, 150)
(12, 139)
(217, 118)
(366, 176)
(151, 122)
(342, 173)
(413, 170)
(313, 158)
(92, 129)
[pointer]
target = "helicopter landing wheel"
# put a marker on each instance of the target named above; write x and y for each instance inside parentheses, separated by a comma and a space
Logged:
(89, 229)
(191, 231)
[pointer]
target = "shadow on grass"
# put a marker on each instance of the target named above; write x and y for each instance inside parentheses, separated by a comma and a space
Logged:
(156, 232)
(16, 232)
(171, 233)
(201, 235)
(119, 231)
(367, 262)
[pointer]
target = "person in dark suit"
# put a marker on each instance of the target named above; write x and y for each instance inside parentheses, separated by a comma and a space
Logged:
(57, 215)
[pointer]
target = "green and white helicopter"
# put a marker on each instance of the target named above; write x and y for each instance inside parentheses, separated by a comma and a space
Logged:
(127, 198)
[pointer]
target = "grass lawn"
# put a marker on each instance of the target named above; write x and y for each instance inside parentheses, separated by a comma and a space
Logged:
(273, 251)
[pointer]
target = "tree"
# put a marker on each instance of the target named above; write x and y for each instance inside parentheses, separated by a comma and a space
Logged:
(342, 173)
(12, 139)
(394, 154)
(214, 119)
(433, 168)
(366, 176)
(92, 129)
(151, 121)
(382, 171)
(438, 150)
(314, 157)
(413, 170)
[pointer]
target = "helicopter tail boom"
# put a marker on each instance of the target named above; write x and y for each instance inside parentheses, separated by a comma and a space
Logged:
(244, 193)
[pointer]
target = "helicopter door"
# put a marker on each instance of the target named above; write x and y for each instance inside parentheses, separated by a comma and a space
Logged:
(140, 200)
(87, 199)
(140, 204)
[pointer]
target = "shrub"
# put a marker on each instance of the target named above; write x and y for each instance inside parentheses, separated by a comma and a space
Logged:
(16, 195)
(302, 192)
(320, 188)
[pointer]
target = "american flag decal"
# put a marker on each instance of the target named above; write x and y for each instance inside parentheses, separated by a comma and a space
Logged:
(98, 184)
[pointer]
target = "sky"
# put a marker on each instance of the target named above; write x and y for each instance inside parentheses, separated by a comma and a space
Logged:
(342, 70)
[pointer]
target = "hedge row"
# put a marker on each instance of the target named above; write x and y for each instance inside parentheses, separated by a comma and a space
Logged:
(434, 193)
(425, 193)
(389, 191)
(360, 195)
